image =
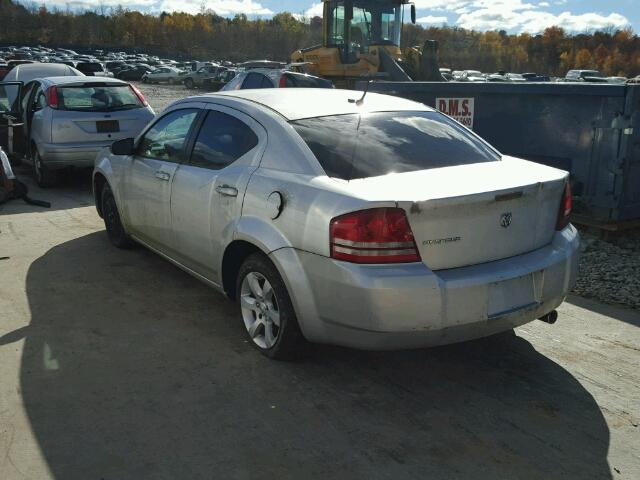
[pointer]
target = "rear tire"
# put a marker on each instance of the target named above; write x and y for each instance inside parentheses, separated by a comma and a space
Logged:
(44, 177)
(189, 83)
(266, 309)
(116, 232)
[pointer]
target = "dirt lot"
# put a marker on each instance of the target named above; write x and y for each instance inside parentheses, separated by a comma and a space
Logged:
(116, 365)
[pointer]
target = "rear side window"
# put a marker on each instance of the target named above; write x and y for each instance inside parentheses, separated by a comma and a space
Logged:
(369, 145)
(103, 98)
(221, 141)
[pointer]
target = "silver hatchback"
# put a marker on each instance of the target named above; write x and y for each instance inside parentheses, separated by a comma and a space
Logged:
(68, 120)
(375, 223)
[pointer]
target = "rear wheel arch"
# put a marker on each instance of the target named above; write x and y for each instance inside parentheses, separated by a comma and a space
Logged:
(234, 256)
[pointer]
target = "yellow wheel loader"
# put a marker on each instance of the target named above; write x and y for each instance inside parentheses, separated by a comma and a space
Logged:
(361, 40)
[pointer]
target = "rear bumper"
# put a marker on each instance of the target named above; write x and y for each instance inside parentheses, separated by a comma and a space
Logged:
(80, 155)
(410, 306)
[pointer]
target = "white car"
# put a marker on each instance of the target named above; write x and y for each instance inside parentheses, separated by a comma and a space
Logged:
(373, 222)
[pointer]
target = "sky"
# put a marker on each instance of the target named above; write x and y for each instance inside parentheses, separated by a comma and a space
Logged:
(514, 16)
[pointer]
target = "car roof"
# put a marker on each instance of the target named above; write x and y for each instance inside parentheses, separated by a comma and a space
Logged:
(30, 71)
(83, 79)
(299, 103)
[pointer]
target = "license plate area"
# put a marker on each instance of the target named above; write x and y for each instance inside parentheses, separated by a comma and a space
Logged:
(511, 295)
(107, 126)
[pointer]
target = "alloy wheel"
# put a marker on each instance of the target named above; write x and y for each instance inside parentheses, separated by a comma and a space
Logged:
(260, 310)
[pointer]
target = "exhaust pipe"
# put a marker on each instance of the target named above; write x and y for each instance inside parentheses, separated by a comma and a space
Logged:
(550, 317)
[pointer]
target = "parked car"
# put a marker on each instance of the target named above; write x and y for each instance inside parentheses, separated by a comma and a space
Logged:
(197, 78)
(536, 77)
(584, 76)
(377, 224)
(220, 80)
(134, 73)
(4, 68)
(261, 64)
(271, 78)
(93, 69)
(67, 120)
(28, 71)
(163, 74)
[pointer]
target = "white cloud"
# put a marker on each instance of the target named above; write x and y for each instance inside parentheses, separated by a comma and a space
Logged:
(315, 10)
(221, 7)
(431, 20)
(518, 16)
(535, 21)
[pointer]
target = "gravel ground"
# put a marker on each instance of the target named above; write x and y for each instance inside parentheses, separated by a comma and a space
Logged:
(609, 270)
(160, 96)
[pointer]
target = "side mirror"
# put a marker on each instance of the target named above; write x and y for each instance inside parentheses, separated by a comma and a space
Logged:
(413, 13)
(123, 147)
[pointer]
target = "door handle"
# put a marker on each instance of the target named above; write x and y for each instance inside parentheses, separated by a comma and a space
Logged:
(164, 176)
(227, 191)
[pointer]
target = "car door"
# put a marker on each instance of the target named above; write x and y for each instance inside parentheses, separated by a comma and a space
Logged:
(150, 174)
(36, 124)
(207, 193)
(11, 129)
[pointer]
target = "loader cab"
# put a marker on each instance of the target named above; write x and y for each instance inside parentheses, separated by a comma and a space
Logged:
(353, 26)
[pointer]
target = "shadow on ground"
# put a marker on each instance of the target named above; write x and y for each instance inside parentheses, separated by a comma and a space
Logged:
(73, 190)
(134, 370)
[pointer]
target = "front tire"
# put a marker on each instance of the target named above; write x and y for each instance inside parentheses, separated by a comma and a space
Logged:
(44, 177)
(266, 309)
(116, 232)
(189, 83)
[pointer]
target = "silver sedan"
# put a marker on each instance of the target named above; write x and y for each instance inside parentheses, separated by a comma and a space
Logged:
(374, 223)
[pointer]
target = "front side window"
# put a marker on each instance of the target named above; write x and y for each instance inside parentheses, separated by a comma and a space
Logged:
(221, 141)
(166, 139)
(369, 145)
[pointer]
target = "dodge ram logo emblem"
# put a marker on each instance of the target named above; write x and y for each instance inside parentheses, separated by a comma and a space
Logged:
(505, 219)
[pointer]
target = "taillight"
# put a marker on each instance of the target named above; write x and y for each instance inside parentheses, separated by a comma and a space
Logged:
(52, 97)
(566, 205)
(139, 94)
(380, 235)
(283, 81)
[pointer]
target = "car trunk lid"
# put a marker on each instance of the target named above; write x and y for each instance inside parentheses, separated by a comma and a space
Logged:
(472, 214)
(75, 126)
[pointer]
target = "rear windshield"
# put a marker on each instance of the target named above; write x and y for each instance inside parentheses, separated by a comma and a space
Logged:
(369, 145)
(89, 67)
(97, 98)
(303, 81)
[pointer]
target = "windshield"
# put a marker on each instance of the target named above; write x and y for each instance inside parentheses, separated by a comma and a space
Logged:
(97, 98)
(359, 24)
(359, 146)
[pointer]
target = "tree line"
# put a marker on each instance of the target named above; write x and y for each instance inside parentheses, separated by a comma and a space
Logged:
(207, 35)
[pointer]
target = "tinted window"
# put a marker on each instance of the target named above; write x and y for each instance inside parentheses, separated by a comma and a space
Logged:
(254, 80)
(306, 81)
(106, 98)
(221, 141)
(165, 140)
(354, 146)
